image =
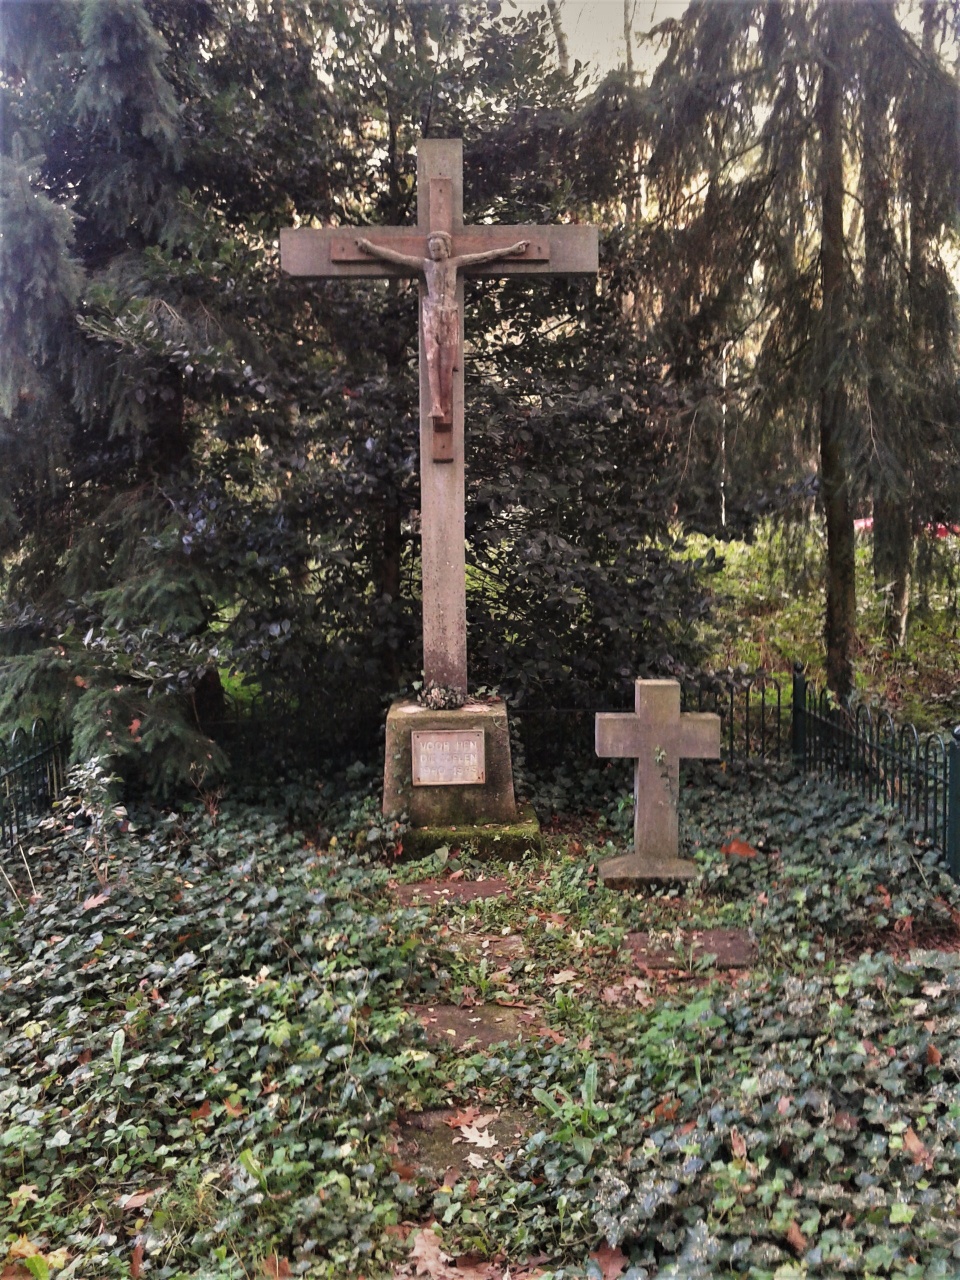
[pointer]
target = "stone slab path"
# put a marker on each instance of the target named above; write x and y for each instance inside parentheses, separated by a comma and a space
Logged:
(487, 946)
(432, 1143)
(483, 1024)
(732, 949)
(429, 892)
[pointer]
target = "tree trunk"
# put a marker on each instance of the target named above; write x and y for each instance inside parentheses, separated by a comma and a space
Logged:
(892, 559)
(841, 602)
(628, 40)
(563, 53)
(892, 523)
(390, 549)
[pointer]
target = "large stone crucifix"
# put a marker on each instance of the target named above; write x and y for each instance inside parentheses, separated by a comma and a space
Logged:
(440, 249)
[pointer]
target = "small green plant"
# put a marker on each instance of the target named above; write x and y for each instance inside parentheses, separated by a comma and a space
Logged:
(581, 1121)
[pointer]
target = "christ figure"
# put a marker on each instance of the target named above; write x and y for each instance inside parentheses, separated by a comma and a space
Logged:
(441, 319)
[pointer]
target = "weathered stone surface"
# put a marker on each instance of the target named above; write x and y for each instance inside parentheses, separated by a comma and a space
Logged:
(429, 892)
(639, 871)
(487, 946)
(657, 736)
(430, 1144)
(482, 1025)
(505, 842)
(731, 949)
(491, 801)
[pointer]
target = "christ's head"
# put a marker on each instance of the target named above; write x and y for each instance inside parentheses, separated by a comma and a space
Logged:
(439, 245)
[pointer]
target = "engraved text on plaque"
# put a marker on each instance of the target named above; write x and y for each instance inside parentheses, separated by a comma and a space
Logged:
(447, 757)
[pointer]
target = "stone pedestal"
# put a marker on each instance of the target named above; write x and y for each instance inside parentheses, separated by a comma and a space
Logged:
(456, 772)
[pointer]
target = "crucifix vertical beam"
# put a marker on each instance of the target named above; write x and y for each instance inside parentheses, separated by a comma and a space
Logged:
(442, 496)
(486, 250)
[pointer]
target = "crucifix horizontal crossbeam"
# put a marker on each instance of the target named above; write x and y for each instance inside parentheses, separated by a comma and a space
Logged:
(440, 250)
(325, 252)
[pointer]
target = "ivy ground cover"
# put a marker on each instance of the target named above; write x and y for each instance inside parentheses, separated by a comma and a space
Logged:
(214, 1059)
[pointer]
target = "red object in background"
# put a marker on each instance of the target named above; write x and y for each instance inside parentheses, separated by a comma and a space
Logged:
(937, 530)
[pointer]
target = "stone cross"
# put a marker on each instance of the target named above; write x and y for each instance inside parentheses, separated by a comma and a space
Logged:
(657, 736)
(439, 249)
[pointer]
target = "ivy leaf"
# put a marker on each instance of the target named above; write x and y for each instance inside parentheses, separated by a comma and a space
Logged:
(218, 1020)
(37, 1266)
(116, 1048)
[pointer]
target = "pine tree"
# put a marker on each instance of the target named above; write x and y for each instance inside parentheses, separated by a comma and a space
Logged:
(764, 145)
(212, 468)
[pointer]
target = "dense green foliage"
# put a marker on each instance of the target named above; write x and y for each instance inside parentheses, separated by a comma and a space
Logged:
(766, 609)
(209, 1059)
(795, 183)
(210, 469)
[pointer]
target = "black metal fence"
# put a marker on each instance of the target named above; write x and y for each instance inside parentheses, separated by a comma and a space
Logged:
(894, 764)
(32, 773)
(752, 710)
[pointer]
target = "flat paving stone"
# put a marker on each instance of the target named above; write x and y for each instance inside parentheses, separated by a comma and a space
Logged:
(429, 892)
(429, 1144)
(483, 1024)
(732, 949)
(490, 946)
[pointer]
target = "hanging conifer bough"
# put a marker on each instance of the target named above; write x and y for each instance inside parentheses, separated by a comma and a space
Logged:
(792, 179)
(208, 470)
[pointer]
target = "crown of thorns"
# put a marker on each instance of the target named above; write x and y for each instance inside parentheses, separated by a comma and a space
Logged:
(445, 236)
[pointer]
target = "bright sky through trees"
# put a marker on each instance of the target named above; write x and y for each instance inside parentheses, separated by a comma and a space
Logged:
(595, 28)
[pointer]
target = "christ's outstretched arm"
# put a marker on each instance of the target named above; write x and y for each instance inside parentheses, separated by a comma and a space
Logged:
(491, 255)
(391, 255)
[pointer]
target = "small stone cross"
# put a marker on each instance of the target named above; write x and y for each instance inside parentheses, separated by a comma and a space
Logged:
(440, 249)
(657, 736)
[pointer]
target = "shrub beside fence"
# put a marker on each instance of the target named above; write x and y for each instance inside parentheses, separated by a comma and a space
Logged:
(866, 750)
(32, 773)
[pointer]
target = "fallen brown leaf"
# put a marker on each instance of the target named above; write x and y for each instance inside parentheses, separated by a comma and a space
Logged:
(667, 1109)
(796, 1239)
(468, 1115)
(738, 849)
(565, 975)
(916, 1150)
(610, 1260)
(934, 1056)
(23, 1247)
(427, 1256)
(136, 1201)
(276, 1268)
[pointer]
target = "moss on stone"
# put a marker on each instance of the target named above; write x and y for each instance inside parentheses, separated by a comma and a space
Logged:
(504, 841)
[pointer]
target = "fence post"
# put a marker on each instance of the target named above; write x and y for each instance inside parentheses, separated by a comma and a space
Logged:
(953, 805)
(799, 716)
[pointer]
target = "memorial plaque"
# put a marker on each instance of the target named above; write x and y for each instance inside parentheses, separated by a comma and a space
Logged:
(447, 757)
